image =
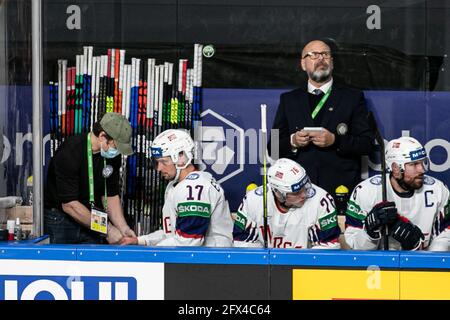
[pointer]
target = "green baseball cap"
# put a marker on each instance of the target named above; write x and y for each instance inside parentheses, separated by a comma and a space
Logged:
(118, 128)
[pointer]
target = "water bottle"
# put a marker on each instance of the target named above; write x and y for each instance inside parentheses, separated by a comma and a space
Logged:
(30, 191)
(17, 230)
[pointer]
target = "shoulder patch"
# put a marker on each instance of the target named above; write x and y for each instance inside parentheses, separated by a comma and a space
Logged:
(376, 180)
(259, 191)
(193, 176)
(428, 180)
(310, 193)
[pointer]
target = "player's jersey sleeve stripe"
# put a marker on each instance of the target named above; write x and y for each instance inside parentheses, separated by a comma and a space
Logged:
(353, 222)
(329, 235)
(193, 219)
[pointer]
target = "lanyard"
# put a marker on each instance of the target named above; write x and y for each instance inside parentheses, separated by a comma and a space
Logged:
(320, 104)
(91, 175)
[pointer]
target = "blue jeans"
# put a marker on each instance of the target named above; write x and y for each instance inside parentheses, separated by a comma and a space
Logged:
(62, 228)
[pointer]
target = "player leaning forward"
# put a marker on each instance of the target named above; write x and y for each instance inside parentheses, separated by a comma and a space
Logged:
(299, 213)
(416, 213)
(195, 211)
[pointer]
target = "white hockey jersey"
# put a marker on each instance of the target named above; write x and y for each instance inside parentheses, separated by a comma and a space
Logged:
(195, 213)
(314, 225)
(427, 208)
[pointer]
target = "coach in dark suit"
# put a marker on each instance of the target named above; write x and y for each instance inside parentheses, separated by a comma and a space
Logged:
(332, 156)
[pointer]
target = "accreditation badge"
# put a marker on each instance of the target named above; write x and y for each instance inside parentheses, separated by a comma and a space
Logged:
(99, 221)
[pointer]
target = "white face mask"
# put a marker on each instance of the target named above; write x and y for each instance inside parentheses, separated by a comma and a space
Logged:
(111, 153)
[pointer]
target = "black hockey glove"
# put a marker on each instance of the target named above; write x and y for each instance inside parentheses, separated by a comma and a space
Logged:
(383, 213)
(409, 235)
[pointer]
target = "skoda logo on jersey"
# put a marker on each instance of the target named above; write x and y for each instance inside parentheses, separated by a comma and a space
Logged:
(157, 152)
(222, 147)
(39, 287)
(417, 155)
(193, 176)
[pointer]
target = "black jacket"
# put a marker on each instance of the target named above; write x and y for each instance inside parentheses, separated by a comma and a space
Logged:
(337, 164)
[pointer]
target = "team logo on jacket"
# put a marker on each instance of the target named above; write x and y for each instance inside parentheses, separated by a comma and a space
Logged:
(107, 171)
(376, 180)
(341, 129)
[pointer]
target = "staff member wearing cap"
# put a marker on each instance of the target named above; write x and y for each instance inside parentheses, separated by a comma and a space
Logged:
(82, 203)
(332, 154)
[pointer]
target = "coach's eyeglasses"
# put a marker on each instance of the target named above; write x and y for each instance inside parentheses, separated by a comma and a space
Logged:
(315, 55)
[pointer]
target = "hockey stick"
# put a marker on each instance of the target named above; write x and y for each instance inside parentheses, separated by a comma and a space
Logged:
(263, 150)
(380, 141)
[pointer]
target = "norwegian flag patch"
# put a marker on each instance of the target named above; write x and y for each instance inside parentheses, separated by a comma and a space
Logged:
(279, 175)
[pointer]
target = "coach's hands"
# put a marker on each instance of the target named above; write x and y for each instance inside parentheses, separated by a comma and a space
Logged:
(322, 138)
(301, 139)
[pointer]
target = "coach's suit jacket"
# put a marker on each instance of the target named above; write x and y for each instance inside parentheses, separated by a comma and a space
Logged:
(337, 164)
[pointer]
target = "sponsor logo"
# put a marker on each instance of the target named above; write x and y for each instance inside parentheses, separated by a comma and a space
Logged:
(418, 154)
(23, 287)
(355, 211)
(208, 51)
(156, 152)
(222, 146)
(328, 222)
(296, 187)
(194, 209)
(240, 220)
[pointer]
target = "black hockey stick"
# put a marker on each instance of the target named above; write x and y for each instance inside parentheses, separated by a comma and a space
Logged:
(380, 141)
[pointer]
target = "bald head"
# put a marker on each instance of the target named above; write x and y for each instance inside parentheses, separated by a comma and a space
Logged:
(315, 45)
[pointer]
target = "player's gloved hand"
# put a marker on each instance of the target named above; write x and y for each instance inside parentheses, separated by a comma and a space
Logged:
(409, 235)
(383, 213)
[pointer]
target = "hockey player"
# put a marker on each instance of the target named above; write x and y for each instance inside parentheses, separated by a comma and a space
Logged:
(416, 213)
(195, 211)
(299, 213)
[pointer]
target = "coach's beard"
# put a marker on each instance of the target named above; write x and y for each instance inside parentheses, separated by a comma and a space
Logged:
(320, 76)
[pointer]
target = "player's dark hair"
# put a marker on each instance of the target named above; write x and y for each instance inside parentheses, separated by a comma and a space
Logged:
(97, 129)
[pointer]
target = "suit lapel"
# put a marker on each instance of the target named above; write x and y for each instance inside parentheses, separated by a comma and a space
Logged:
(302, 111)
(330, 107)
